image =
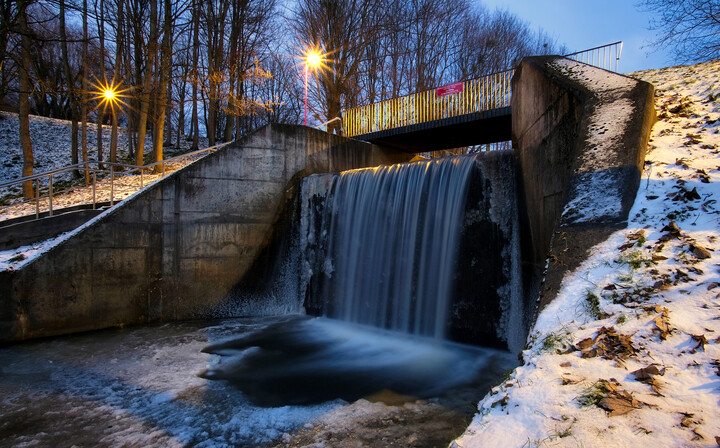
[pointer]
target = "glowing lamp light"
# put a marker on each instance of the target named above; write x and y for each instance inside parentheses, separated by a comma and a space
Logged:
(109, 94)
(313, 59)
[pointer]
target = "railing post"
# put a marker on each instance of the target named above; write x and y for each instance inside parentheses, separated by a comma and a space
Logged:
(112, 185)
(51, 195)
(94, 188)
(37, 198)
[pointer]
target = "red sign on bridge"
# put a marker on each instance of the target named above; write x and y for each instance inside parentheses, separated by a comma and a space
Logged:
(449, 89)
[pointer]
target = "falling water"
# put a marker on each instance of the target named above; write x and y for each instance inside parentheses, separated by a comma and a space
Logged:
(393, 237)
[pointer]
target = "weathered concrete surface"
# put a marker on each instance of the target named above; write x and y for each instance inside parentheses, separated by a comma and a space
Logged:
(174, 250)
(23, 231)
(580, 134)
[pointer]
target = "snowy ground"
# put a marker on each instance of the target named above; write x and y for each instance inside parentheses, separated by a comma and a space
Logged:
(628, 354)
(51, 148)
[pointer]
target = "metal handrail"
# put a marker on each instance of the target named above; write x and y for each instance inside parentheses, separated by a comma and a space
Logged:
(83, 166)
(601, 56)
(488, 92)
(460, 98)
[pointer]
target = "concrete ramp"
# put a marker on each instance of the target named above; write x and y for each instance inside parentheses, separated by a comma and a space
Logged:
(175, 249)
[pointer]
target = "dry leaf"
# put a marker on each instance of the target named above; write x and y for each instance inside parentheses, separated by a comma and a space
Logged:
(619, 403)
(687, 420)
(662, 323)
(656, 385)
(626, 246)
(637, 235)
(700, 252)
(585, 343)
(502, 402)
(648, 372)
(701, 340)
(566, 364)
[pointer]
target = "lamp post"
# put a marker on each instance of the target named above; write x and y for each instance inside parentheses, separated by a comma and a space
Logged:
(312, 59)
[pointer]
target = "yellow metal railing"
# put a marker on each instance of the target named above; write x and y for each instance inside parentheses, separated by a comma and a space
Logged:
(465, 97)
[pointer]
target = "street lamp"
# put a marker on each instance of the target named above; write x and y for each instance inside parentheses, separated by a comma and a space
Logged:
(312, 59)
(109, 94)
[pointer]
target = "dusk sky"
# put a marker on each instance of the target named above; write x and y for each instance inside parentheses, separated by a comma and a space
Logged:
(583, 24)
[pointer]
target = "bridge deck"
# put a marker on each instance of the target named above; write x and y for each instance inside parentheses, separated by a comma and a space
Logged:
(475, 128)
(455, 103)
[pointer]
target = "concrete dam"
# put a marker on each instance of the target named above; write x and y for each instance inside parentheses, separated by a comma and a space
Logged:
(293, 220)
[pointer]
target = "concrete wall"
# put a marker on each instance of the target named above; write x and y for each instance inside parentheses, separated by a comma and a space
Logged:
(174, 250)
(580, 135)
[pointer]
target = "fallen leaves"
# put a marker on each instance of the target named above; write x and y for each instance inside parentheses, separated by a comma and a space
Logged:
(684, 195)
(700, 252)
(701, 342)
(703, 176)
(648, 375)
(633, 239)
(608, 344)
(672, 232)
(501, 402)
(617, 401)
(662, 323)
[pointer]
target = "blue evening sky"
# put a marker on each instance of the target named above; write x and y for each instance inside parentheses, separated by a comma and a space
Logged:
(583, 24)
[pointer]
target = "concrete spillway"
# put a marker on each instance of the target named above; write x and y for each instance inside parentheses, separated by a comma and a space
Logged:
(427, 248)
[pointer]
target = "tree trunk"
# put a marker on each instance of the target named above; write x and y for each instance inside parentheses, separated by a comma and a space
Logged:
(101, 113)
(147, 84)
(181, 104)
(210, 106)
(118, 68)
(166, 54)
(196, 56)
(23, 100)
(83, 99)
(232, 105)
(71, 89)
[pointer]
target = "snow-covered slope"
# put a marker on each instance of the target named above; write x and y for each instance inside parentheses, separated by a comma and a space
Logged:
(51, 142)
(629, 352)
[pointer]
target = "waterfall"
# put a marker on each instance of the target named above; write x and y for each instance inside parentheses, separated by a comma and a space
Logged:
(384, 247)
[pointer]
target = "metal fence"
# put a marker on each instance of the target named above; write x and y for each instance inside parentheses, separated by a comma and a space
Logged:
(114, 170)
(606, 56)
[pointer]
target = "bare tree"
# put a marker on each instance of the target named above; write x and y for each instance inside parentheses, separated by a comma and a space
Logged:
(24, 102)
(69, 79)
(195, 74)
(117, 78)
(690, 28)
(85, 89)
(166, 55)
(342, 29)
(147, 83)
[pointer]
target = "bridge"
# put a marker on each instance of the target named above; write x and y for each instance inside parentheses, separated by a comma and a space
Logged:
(471, 112)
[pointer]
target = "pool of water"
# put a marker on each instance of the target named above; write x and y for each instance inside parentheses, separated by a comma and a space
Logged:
(282, 381)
